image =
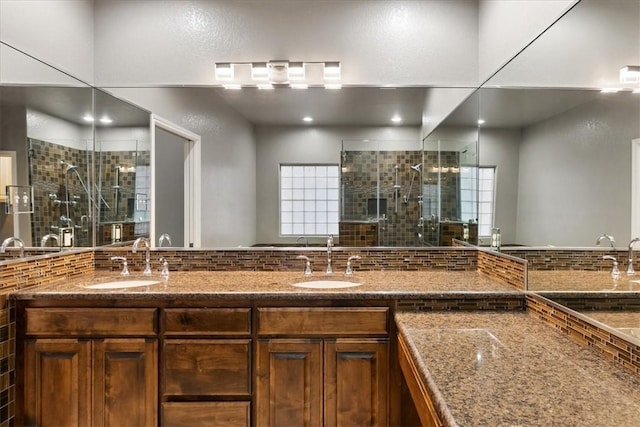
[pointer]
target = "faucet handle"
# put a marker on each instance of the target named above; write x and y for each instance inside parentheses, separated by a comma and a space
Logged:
(165, 267)
(125, 268)
(349, 271)
(307, 270)
(615, 272)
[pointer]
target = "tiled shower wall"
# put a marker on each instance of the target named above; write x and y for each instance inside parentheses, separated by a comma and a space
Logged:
(127, 161)
(49, 176)
(364, 171)
(360, 185)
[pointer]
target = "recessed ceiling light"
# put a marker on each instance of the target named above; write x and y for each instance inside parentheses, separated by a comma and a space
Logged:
(481, 121)
(87, 118)
(106, 120)
(308, 119)
(396, 119)
(233, 86)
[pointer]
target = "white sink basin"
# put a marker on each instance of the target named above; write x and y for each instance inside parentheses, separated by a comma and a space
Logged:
(122, 284)
(327, 284)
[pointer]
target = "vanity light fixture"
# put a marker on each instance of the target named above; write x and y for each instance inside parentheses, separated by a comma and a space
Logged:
(280, 73)
(224, 71)
(630, 74)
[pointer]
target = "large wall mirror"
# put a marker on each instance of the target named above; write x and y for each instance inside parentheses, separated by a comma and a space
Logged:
(60, 189)
(561, 125)
(47, 150)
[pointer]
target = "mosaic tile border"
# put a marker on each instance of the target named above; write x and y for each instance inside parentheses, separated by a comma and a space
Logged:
(467, 303)
(503, 267)
(406, 259)
(584, 332)
(587, 259)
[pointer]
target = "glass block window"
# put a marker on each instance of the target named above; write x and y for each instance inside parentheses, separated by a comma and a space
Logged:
(477, 188)
(309, 200)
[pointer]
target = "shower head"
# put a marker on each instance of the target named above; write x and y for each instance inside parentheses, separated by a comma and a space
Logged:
(417, 167)
(69, 166)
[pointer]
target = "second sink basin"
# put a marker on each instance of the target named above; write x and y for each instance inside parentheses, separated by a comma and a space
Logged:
(122, 284)
(326, 284)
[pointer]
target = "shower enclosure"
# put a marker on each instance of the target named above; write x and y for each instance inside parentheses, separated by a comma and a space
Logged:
(408, 193)
(59, 174)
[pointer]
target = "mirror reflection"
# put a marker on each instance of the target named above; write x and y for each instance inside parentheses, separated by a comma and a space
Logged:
(50, 195)
(123, 170)
(50, 150)
(561, 126)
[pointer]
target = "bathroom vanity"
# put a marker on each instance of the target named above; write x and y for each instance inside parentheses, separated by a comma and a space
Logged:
(249, 348)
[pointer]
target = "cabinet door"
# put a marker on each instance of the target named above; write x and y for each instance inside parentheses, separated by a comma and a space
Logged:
(356, 382)
(289, 382)
(125, 382)
(57, 382)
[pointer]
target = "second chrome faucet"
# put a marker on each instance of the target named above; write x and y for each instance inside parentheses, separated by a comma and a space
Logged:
(147, 257)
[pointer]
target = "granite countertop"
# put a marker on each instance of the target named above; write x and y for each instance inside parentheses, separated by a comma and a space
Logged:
(511, 369)
(581, 281)
(278, 285)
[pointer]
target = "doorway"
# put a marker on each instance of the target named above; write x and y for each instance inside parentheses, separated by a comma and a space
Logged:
(175, 205)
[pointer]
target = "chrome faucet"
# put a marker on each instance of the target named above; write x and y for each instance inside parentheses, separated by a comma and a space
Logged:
(349, 271)
(17, 242)
(608, 237)
(630, 270)
(164, 238)
(147, 257)
(329, 246)
(301, 238)
(49, 236)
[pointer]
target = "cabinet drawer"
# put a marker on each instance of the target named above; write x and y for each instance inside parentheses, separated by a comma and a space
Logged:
(208, 321)
(207, 367)
(113, 322)
(194, 414)
(323, 321)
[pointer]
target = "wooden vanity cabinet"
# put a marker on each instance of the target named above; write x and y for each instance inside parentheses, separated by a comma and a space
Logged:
(90, 367)
(206, 363)
(322, 366)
